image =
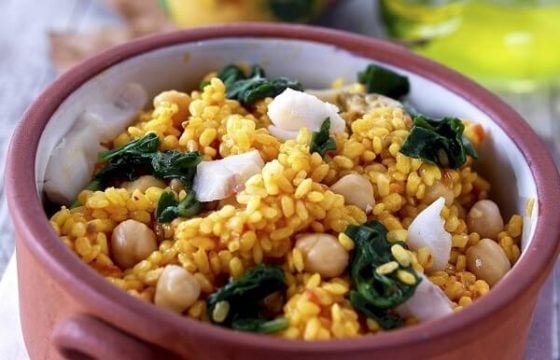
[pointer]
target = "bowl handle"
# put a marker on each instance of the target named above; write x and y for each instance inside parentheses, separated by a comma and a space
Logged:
(87, 337)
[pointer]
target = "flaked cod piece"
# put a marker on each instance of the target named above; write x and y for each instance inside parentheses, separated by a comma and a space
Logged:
(218, 179)
(428, 302)
(428, 230)
(73, 160)
(293, 110)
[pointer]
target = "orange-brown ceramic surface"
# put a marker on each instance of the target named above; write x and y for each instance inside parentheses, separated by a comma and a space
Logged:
(67, 307)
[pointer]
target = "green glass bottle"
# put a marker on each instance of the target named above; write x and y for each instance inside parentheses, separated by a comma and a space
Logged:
(505, 44)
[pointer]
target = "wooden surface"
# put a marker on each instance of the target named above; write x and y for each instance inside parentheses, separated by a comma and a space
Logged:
(25, 70)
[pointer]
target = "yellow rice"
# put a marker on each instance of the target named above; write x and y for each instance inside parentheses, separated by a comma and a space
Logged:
(290, 196)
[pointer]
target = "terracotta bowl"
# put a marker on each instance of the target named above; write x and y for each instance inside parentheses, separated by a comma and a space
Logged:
(69, 310)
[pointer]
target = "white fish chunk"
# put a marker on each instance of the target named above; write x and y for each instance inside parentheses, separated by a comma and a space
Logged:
(218, 179)
(72, 161)
(281, 133)
(292, 110)
(66, 175)
(427, 229)
(428, 302)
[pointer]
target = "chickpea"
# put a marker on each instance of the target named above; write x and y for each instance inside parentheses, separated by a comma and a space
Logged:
(182, 101)
(437, 190)
(131, 242)
(143, 183)
(485, 219)
(177, 289)
(488, 261)
(323, 254)
(357, 190)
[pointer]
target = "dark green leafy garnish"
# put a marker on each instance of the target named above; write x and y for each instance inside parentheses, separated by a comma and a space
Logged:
(125, 167)
(249, 89)
(380, 80)
(168, 208)
(145, 145)
(374, 294)
(321, 142)
(237, 304)
(140, 157)
(230, 74)
(261, 325)
(175, 165)
(439, 142)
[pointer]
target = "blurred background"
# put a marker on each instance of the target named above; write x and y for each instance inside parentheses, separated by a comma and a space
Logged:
(510, 46)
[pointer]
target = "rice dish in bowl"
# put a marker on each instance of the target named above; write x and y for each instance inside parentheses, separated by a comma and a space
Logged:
(68, 308)
(253, 204)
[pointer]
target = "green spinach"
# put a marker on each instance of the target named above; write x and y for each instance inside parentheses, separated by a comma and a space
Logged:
(439, 142)
(140, 157)
(321, 142)
(380, 80)
(243, 297)
(230, 74)
(374, 294)
(168, 208)
(175, 165)
(249, 89)
(260, 325)
(144, 145)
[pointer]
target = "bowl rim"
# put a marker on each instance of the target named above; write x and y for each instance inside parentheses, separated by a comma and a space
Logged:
(97, 294)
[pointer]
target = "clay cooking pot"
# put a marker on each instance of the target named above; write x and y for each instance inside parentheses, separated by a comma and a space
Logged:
(68, 309)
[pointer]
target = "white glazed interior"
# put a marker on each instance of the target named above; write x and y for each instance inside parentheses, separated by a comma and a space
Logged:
(315, 65)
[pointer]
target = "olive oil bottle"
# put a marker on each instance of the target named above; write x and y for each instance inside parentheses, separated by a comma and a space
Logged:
(506, 44)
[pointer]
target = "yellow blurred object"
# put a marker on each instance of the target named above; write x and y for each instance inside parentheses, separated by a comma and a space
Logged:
(186, 13)
(503, 43)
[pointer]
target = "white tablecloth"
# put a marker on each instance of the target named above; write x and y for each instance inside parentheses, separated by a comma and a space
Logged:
(11, 338)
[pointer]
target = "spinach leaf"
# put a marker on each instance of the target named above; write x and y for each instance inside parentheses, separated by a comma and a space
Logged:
(140, 157)
(374, 294)
(257, 71)
(175, 165)
(230, 74)
(249, 89)
(125, 167)
(243, 297)
(145, 145)
(260, 325)
(168, 208)
(438, 142)
(321, 142)
(380, 80)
